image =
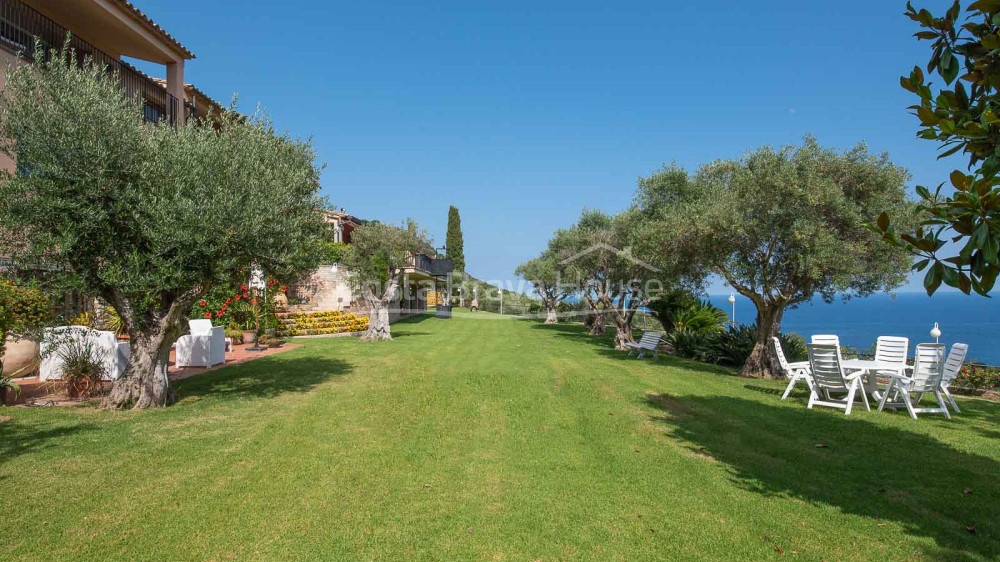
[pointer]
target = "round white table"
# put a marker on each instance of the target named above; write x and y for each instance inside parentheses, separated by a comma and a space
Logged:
(870, 368)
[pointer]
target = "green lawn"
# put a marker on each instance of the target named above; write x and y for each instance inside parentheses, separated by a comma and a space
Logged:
(493, 439)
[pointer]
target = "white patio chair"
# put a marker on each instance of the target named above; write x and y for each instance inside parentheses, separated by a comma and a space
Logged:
(953, 366)
(828, 375)
(928, 368)
(204, 347)
(108, 351)
(650, 341)
(825, 339)
(893, 350)
(794, 371)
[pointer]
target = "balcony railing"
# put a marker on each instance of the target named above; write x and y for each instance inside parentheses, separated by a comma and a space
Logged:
(20, 24)
(438, 267)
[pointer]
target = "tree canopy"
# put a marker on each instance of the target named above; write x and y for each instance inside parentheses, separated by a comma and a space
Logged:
(146, 216)
(781, 226)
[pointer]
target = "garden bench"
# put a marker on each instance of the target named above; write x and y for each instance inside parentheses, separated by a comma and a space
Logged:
(650, 341)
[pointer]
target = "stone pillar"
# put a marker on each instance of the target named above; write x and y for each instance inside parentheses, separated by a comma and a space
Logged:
(175, 87)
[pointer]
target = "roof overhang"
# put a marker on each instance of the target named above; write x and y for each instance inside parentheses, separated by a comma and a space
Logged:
(116, 27)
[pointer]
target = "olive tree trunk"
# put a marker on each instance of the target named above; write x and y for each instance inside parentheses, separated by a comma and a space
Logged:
(761, 363)
(378, 317)
(551, 316)
(145, 384)
(623, 330)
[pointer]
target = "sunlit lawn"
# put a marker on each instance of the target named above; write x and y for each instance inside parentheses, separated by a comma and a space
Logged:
(494, 439)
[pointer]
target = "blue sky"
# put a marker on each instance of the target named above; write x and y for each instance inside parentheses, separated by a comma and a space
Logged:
(522, 113)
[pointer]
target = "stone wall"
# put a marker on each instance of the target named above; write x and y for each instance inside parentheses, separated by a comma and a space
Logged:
(327, 288)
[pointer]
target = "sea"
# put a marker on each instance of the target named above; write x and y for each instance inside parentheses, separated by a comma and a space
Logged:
(973, 320)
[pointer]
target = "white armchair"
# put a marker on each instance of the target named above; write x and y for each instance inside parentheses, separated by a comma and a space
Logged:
(110, 352)
(204, 347)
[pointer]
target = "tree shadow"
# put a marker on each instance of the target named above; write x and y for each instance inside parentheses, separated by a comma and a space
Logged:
(266, 377)
(408, 334)
(415, 318)
(863, 468)
(18, 439)
(605, 343)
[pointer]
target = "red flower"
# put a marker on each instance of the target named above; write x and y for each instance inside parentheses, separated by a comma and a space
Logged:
(230, 301)
(253, 301)
(203, 303)
(243, 287)
(284, 288)
(237, 297)
(245, 296)
(208, 315)
(219, 313)
(225, 306)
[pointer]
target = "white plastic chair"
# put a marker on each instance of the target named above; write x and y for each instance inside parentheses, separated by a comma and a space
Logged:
(828, 376)
(928, 368)
(893, 350)
(204, 347)
(953, 366)
(794, 371)
(825, 339)
(108, 351)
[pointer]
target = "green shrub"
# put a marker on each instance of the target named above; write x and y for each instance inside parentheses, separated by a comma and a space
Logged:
(730, 347)
(688, 343)
(976, 376)
(700, 317)
(23, 310)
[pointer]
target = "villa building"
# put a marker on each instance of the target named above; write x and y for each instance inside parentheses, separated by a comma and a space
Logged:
(329, 287)
(106, 31)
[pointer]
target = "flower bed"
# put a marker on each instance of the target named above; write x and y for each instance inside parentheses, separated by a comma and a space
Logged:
(318, 323)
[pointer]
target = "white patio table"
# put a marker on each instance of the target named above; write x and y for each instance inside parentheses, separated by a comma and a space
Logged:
(870, 367)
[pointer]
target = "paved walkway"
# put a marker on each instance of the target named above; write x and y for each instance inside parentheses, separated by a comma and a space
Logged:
(49, 391)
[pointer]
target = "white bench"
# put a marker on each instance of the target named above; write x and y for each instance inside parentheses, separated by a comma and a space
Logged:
(650, 341)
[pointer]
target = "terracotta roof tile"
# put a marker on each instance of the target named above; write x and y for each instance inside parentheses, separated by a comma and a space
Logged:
(130, 7)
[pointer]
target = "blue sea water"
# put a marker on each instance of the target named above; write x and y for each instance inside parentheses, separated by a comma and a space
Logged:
(858, 322)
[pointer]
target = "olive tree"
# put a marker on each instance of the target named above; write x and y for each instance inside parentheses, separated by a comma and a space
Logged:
(145, 216)
(781, 226)
(598, 255)
(377, 258)
(544, 275)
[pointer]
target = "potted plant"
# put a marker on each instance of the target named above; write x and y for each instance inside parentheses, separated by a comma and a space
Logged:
(82, 372)
(9, 390)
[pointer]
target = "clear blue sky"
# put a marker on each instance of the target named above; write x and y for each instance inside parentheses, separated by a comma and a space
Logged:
(522, 113)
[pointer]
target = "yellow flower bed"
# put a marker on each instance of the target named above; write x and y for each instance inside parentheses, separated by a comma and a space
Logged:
(325, 322)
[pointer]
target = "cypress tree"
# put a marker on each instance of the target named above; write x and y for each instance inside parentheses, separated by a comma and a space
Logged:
(453, 241)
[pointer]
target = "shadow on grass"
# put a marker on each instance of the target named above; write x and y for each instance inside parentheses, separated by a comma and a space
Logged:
(867, 469)
(605, 345)
(18, 439)
(404, 334)
(263, 378)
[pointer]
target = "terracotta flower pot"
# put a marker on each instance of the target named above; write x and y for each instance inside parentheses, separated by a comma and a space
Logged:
(248, 336)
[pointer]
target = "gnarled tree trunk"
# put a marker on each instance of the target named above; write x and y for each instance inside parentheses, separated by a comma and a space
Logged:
(551, 316)
(378, 317)
(761, 363)
(623, 330)
(144, 384)
(595, 322)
